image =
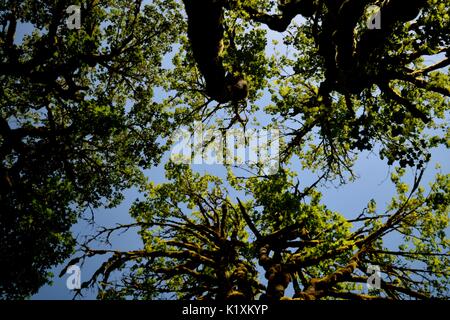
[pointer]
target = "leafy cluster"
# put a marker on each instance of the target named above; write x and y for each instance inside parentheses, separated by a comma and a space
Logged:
(76, 123)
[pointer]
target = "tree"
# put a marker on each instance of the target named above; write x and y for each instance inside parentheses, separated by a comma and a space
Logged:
(353, 88)
(199, 243)
(76, 122)
(340, 89)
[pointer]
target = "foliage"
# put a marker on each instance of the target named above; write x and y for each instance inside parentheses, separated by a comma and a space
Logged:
(79, 120)
(76, 121)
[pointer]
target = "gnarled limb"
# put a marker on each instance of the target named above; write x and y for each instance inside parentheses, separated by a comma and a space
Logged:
(206, 32)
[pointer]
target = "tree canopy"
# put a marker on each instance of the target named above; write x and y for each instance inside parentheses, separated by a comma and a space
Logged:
(84, 111)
